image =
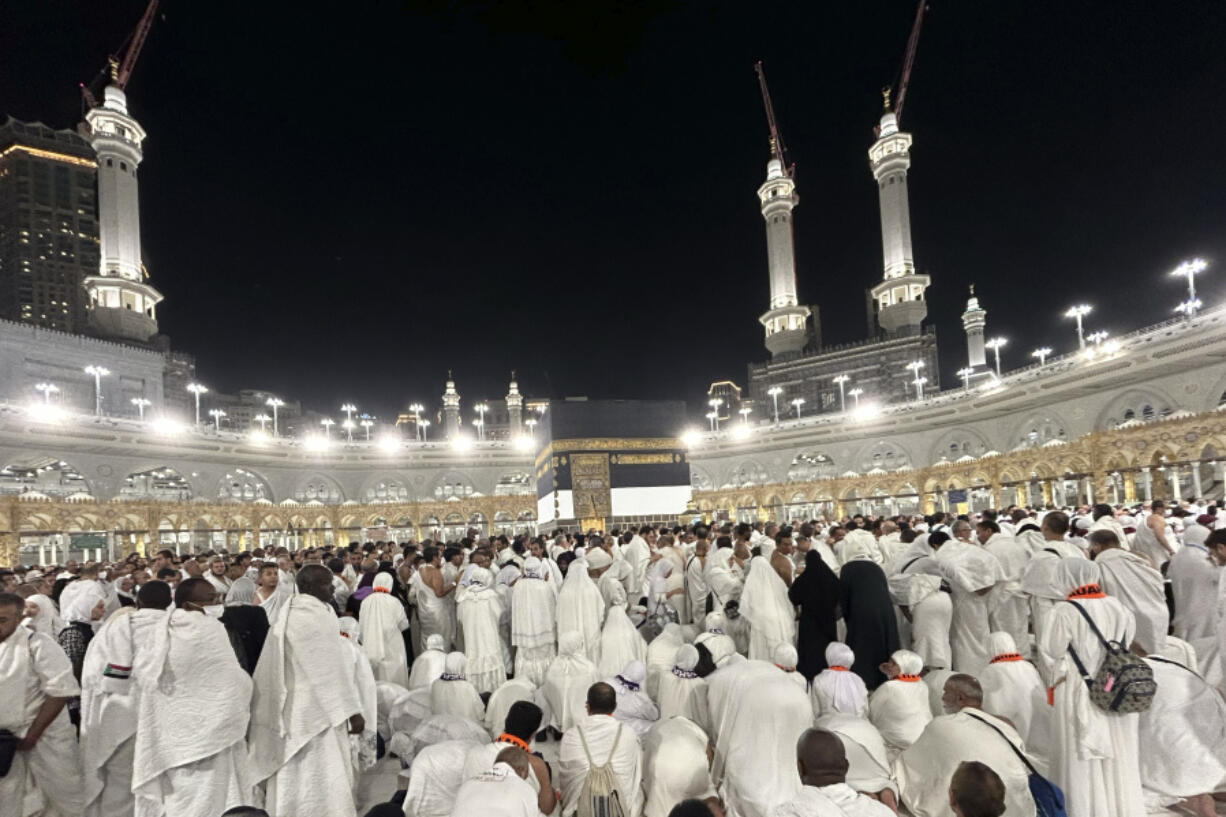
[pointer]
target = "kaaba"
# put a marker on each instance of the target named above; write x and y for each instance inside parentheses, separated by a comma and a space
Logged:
(611, 463)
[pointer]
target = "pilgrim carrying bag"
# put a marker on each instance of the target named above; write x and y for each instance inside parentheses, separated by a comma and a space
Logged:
(1124, 683)
(598, 797)
(1048, 799)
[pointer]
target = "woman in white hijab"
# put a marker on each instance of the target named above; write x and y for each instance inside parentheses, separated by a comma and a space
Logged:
(452, 694)
(1012, 689)
(382, 620)
(42, 615)
(634, 708)
(682, 693)
(567, 681)
(660, 653)
(836, 689)
(620, 643)
(786, 658)
(581, 609)
(899, 708)
(858, 544)
(534, 599)
(430, 665)
(478, 609)
(764, 604)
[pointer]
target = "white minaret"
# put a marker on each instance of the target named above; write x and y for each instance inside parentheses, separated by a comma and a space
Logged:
(121, 304)
(901, 308)
(785, 321)
(515, 409)
(451, 410)
(974, 320)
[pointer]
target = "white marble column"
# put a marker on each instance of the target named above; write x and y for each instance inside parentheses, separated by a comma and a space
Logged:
(1197, 490)
(1173, 476)
(1147, 482)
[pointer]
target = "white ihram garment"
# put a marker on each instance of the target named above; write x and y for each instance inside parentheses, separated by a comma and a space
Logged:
(534, 600)
(567, 681)
(1184, 735)
(478, 609)
(968, 569)
(1193, 578)
(435, 614)
(1011, 609)
(674, 766)
(300, 710)
(435, 778)
(765, 605)
(1138, 585)
(195, 701)
(620, 643)
(47, 779)
(382, 619)
(581, 609)
(608, 741)
(1012, 689)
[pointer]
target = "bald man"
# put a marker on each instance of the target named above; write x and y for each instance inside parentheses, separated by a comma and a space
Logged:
(822, 764)
(965, 732)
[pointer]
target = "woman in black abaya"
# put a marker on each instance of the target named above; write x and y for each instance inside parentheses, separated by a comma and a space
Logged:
(868, 611)
(816, 593)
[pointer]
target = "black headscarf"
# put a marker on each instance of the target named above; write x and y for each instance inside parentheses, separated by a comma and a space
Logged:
(816, 592)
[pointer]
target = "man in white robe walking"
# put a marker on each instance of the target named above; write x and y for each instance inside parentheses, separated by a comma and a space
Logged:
(194, 707)
(36, 682)
(971, 572)
(382, 622)
(304, 707)
(110, 703)
(1137, 584)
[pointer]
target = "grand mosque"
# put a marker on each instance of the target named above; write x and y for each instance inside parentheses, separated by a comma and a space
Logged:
(110, 441)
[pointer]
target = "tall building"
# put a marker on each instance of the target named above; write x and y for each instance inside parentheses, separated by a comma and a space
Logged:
(121, 304)
(901, 307)
(883, 367)
(48, 225)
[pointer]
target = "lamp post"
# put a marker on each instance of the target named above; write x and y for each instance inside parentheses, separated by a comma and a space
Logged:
(797, 402)
(996, 344)
(481, 408)
(480, 424)
(366, 423)
(197, 390)
(715, 403)
(855, 395)
(141, 404)
(349, 409)
(745, 411)
(262, 419)
(774, 392)
(417, 409)
(424, 424)
(915, 366)
(841, 380)
(1098, 337)
(919, 387)
(275, 403)
(531, 424)
(216, 414)
(965, 373)
(1078, 312)
(348, 426)
(710, 415)
(98, 372)
(327, 423)
(47, 389)
(1190, 269)
(1041, 353)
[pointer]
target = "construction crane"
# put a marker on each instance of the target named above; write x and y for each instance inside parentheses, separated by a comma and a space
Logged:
(909, 59)
(121, 69)
(777, 148)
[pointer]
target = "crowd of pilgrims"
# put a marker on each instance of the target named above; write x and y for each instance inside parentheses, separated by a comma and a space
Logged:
(866, 666)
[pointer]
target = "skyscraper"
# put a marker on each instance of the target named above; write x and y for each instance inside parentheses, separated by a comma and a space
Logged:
(48, 225)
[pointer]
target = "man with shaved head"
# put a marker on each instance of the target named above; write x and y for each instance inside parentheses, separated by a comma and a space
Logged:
(964, 733)
(822, 764)
(500, 791)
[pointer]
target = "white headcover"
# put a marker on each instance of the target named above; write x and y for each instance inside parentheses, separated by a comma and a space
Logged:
(843, 686)
(686, 658)
(1001, 643)
(598, 558)
(786, 656)
(454, 668)
(1074, 572)
(909, 663)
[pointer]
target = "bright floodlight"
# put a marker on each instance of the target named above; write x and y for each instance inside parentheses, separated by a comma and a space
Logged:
(741, 431)
(98, 372)
(45, 413)
(523, 443)
(1190, 269)
(315, 442)
(1041, 353)
(258, 436)
(462, 443)
(774, 391)
(866, 411)
(691, 437)
(996, 344)
(965, 373)
(1078, 312)
(389, 444)
(46, 389)
(165, 426)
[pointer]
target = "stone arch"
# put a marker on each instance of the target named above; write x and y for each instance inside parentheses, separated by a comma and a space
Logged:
(386, 487)
(700, 479)
(748, 473)
(1142, 404)
(1038, 428)
(161, 483)
(319, 487)
(810, 465)
(243, 485)
(46, 475)
(958, 442)
(886, 455)
(453, 485)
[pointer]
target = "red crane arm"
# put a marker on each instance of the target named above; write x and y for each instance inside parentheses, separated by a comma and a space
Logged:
(124, 71)
(909, 58)
(777, 148)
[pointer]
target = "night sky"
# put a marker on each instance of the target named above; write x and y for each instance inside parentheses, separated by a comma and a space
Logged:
(342, 202)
